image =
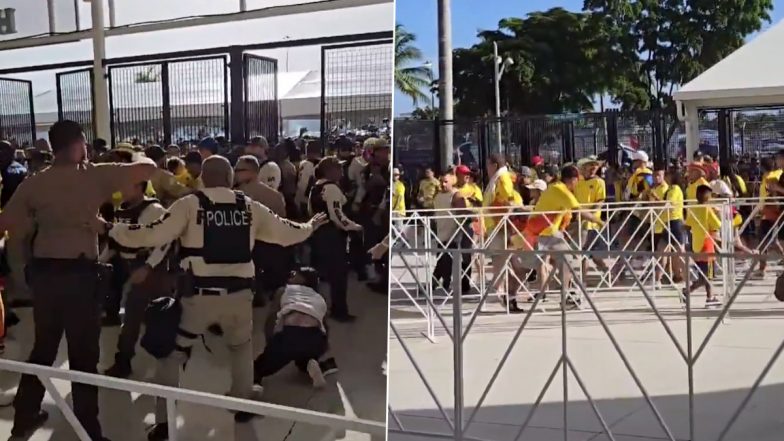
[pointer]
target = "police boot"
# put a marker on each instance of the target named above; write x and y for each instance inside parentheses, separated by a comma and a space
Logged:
(120, 369)
(158, 432)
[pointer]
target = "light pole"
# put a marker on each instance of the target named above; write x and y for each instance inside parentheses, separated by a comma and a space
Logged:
(499, 65)
(445, 104)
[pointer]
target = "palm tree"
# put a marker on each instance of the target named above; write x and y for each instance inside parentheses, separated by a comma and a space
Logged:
(409, 80)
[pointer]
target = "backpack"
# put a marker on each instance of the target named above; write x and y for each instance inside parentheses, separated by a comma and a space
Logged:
(779, 291)
(162, 322)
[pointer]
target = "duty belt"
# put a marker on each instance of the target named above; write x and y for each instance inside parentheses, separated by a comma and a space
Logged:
(216, 286)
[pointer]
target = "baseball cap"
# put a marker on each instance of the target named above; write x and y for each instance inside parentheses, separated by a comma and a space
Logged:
(395, 171)
(537, 160)
(587, 160)
(537, 185)
(462, 170)
(526, 171)
(639, 155)
(208, 144)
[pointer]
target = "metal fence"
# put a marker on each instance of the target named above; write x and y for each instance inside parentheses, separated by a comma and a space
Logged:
(17, 116)
(169, 101)
(356, 87)
(75, 99)
(458, 422)
(261, 97)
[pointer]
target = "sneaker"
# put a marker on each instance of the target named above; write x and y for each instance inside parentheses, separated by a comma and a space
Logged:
(684, 295)
(542, 298)
(158, 432)
(314, 371)
(120, 369)
(713, 301)
(111, 321)
(758, 274)
(328, 366)
(26, 429)
(514, 308)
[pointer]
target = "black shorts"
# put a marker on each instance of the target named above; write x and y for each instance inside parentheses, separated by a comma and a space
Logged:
(595, 241)
(704, 272)
(676, 233)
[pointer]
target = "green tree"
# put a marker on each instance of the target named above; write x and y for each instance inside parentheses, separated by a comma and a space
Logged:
(558, 65)
(410, 80)
(426, 113)
(657, 45)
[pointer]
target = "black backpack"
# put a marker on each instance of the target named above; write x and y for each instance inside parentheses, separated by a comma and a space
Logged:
(162, 322)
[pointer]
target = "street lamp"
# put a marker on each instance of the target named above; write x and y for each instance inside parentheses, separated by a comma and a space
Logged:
(499, 66)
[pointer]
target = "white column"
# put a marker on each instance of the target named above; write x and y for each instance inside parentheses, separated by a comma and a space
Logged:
(100, 87)
(692, 131)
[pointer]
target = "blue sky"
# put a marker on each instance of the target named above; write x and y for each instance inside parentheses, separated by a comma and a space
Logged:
(469, 16)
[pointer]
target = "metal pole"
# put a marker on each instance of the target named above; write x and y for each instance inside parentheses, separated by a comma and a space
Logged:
(457, 339)
(100, 86)
(689, 348)
(497, 85)
(446, 107)
(50, 11)
(112, 15)
(561, 262)
(243, 5)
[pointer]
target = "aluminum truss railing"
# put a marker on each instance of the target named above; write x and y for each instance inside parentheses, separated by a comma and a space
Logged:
(459, 420)
(173, 395)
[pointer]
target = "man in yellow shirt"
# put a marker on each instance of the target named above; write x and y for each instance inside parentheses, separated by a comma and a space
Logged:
(771, 211)
(591, 192)
(668, 228)
(398, 193)
(704, 242)
(640, 181)
(428, 187)
(467, 187)
(551, 216)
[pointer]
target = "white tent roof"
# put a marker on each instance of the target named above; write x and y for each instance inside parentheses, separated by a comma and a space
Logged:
(750, 76)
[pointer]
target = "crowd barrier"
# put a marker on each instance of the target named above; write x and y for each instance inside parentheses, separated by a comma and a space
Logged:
(173, 395)
(478, 230)
(459, 420)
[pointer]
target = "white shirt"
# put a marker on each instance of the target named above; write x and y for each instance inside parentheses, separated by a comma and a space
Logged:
(335, 199)
(306, 171)
(356, 176)
(305, 300)
(446, 225)
(270, 175)
(150, 213)
(180, 222)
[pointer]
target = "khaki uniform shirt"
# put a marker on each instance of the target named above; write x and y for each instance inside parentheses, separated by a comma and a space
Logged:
(60, 205)
(167, 188)
(265, 195)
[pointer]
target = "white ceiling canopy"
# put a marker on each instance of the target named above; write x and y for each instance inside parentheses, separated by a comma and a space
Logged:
(751, 76)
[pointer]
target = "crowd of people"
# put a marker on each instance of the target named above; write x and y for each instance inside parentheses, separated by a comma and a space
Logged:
(192, 237)
(548, 208)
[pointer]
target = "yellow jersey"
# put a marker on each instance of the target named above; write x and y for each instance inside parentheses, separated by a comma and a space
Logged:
(399, 197)
(588, 192)
(556, 203)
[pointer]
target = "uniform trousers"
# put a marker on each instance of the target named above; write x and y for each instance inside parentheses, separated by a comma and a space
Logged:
(234, 313)
(66, 299)
(328, 247)
(157, 284)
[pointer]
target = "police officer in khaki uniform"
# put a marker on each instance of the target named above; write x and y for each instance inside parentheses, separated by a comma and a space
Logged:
(148, 276)
(328, 246)
(217, 228)
(62, 203)
(167, 188)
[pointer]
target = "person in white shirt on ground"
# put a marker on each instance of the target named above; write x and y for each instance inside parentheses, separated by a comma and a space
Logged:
(217, 228)
(299, 334)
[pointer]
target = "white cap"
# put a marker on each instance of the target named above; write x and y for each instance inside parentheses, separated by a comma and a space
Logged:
(640, 155)
(395, 171)
(537, 185)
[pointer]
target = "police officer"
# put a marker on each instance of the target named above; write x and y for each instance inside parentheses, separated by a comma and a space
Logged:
(306, 175)
(345, 151)
(373, 204)
(62, 203)
(216, 228)
(273, 262)
(146, 269)
(328, 246)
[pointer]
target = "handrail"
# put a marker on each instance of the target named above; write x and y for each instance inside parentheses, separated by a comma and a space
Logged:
(197, 397)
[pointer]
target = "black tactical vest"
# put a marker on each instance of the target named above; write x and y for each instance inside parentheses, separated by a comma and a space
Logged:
(130, 216)
(316, 197)
(226, 230)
